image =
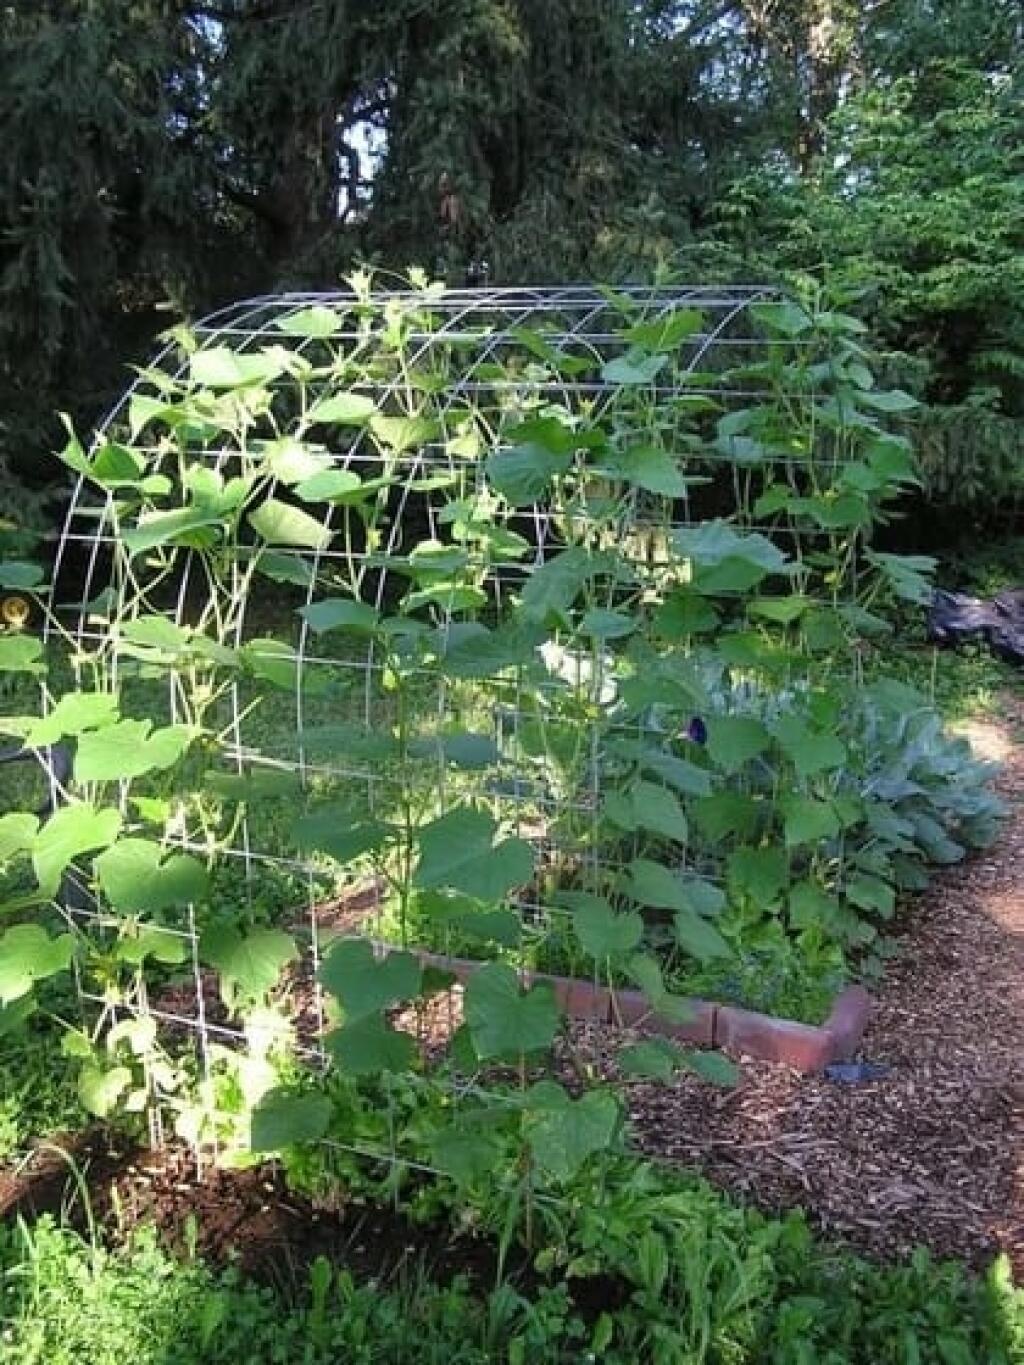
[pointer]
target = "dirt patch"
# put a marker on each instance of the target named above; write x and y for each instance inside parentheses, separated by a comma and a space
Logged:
(934, 1153)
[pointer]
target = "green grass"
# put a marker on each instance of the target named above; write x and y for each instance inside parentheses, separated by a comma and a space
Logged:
(38, 1088)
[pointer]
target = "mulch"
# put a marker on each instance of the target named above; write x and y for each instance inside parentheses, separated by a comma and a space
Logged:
(933, 1154)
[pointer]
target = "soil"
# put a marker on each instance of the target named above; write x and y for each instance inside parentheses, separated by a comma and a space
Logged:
(933, 1153)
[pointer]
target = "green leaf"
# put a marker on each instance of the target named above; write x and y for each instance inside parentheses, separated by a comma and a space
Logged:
(714, 542)
(19, 576)
(633, 368)
(872, 894)
(72, 830)
(221, 368)
(524, 474)
(810, 751)
(685, 777)
(370, 1045)
(760, 874)
(808, 821)
(458, 851)
(344, 409)
(734, 740)
(250, 963)
(685, 613)
(648, 806)
(314, 323)
(602, 624)
(128, 749)
(714, 1067)
(138, 876)
(667, 332)
(29, 954)
(278, 523)
(553, 587)
(99, 1090)
(17, 834)
(400, 434)
(655, 1059)
(888, 400)
(331, 829)
(152, 941)
(464, 750)
(698, 937)
(471, 650)
(784, 319)
(727, 815)
(702, 898)
(178, 526)
(564, 1132)
(909, 576)
(21, 654)
(366, 984)
(282, 1119)
(651, 884)
(505, 1021)
(649, 468)
(603, 932)
(340, 613)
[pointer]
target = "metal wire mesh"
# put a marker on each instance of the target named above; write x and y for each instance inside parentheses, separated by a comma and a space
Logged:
(449, 376)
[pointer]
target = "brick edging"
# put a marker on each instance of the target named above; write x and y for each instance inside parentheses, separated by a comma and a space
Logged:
(804, 1047)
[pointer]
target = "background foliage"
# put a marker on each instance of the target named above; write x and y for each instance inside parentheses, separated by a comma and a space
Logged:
(164, 155)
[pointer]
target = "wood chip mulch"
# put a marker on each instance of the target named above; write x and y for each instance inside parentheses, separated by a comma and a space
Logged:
(933, 1154)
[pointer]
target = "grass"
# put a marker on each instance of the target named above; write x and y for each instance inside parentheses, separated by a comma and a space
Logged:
(38, 1087)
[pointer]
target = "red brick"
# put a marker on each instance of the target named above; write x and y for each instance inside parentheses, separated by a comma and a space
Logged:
(847, 1022)
(800, 1046)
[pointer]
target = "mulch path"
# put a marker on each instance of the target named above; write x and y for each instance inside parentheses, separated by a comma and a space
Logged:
(933, 1154)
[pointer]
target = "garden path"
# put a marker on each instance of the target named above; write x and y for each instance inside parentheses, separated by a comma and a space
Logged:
(934, 1153)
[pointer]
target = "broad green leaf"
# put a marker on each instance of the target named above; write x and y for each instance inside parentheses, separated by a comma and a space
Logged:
(603, 932)
(648, 806)
(471, 650)
(871, 893)
(699, 937)
(17, 834)
(127, 749)
(221, 368)
(607, 625)
(685, 613)
(22, 577)
(633, 368)
(524, 474)
(553, 587)
(702, 897)
(564, 1132)
(314, 323)
(458, 851)
(909, 576)
(760, 874)
(734, 740)
(714, 1067)
(278, 523)
(283, 1119)
(400, 434)
(138, 876)
(370, 1045)
(284, 567)
(465, 1156)
(331, 829)
(649, 468)
(335, 485)
(782, 610)
(365, 984)
(888, 400)
(714, 542)
(645, 969)
(21, 654)
(727, 815)
(784, 319)
(29, 954)
(679, 773)
(152, 941)
(72, 830)
(100, 1090)
(292, 462)
(251, 962)
(255, 784)
(75, 713)
(179, 526)
(810, 751)
(461, 748)
(344, 409)
(651, 884)
(666, 332)
(504, 1020)
(808, 821)
(340, 613)
(656, 1059)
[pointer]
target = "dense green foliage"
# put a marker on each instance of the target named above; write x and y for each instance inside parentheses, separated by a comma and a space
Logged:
(178, 154)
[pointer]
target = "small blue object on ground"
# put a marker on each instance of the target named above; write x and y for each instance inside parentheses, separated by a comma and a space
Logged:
(853, 1073)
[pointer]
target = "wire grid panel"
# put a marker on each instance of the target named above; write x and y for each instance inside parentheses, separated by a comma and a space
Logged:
(362, 427)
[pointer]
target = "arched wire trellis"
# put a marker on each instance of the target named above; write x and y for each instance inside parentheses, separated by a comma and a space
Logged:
(380, 417)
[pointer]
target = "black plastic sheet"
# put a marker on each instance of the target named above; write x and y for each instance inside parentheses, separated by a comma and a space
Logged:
(999, 621)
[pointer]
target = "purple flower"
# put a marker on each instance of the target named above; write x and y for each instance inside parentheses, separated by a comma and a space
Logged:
(697, 731)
